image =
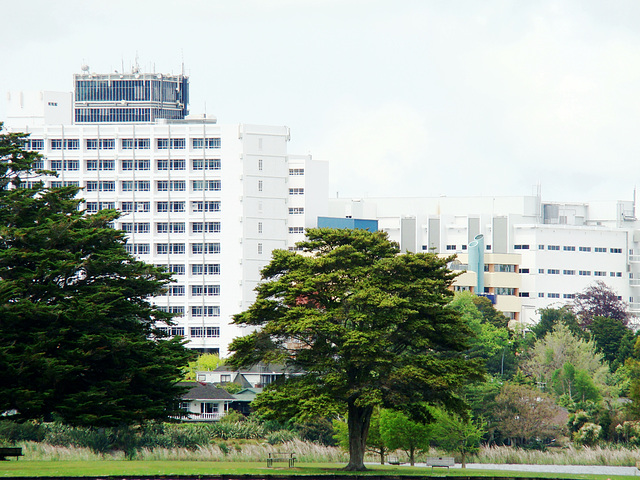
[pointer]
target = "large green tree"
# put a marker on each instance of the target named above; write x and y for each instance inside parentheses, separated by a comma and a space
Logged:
(399, 432)
(78, 339)
(367, 325)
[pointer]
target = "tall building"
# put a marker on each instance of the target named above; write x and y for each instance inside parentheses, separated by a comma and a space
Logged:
(208, 202)
(535, 254)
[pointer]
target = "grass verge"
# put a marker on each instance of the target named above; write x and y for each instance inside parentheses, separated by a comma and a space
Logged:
(102, 468)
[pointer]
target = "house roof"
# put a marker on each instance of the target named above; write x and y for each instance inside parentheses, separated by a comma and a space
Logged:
(247, 395)
(204, 391)
(258, 368)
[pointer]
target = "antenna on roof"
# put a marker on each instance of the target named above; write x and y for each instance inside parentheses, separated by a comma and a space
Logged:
(182, 53)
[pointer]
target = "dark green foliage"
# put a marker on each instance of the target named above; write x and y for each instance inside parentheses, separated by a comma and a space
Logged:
(613, 339)
(318, 431)
(550, 317)
(368, 326)
(77, 335)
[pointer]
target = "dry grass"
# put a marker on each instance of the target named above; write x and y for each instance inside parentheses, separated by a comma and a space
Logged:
(559, 456)
(221, 452)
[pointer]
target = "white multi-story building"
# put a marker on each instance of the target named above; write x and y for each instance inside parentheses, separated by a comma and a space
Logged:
(537, 253)
(208, 202)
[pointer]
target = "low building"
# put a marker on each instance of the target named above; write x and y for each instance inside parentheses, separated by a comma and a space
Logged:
(204, 402)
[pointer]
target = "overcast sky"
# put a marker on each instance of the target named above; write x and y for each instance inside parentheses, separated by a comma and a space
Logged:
(403, 98)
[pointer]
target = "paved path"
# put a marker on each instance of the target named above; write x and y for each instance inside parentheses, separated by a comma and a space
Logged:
(587, 469)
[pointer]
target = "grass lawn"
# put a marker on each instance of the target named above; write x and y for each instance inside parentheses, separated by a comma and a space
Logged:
(103, 468)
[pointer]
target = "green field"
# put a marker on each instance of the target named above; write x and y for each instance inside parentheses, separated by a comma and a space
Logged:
(102, 468)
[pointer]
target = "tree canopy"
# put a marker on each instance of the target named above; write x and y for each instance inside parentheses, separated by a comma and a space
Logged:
(599, 300)
(78, 340)
(367, 325)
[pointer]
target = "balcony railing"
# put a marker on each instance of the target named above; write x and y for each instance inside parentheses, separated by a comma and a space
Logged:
(202, 417)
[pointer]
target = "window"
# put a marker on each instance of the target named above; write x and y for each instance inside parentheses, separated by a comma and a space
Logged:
(584, 273)
(136, 143)
(259, 227)
(206, 290)
(138, 248)
(200, 248)
(568, 272)
(296, 229)
(175, 332)
(598, 273)
(259, 185)
(540, 295)
(523, 294)
(102, 144)
(136, 227)
(569, 248)
(35, 144)
(569, 296)
(615, 250)
(296, 171)
(499, 267)
(296, 191)
(206, 164)
(540, 247)
(101, 165)
(128, 207)
(171, 164)
(173, 143)
(170, 248)
(615, 274)
(136, 186)
(600, 249)
(541, 270)
(260, 164)
(504, 291)
(208, 206)
(524, 270)
(521, 247)
(170, 227)
(451, 247)
(136, 164)
(199, 143)
(584, 249)
(296, 210)
(68, 165)
(553, 247)
(553, 271)
(553, 295)
(162, 207)
(259, 249)
(175, 290)
(206, 269)
(102, 186)
(206, 185)
(208, 227)
(66, 144)
(171, 185)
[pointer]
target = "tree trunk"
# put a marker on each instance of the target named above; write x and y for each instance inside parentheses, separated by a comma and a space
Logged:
(412, 460)
(463, 460)
(358, 422)
(382, 451)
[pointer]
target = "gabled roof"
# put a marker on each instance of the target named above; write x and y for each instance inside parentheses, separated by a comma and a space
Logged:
(204, 391)
(247, 395)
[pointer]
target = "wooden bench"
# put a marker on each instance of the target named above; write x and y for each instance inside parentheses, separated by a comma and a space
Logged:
(281, 457)
(440, 462)
(10, 452)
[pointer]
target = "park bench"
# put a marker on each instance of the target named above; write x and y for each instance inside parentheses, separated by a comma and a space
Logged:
(394, 461)
(10, 452)
(281, 457)
(440, 462)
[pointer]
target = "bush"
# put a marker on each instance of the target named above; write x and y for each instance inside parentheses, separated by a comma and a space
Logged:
(281, 436)
(12, 432)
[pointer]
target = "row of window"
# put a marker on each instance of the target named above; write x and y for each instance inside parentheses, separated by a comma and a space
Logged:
(161, 185)
(196, 269)
(161, 207)
(584, 273)
(195, 332)
(172, 227)
(37, 144)
(179, 248)
(196, 291)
